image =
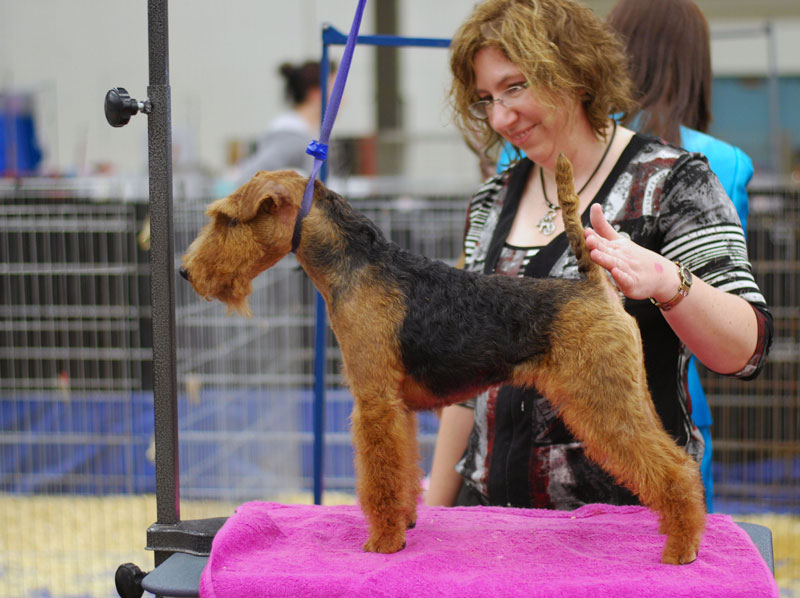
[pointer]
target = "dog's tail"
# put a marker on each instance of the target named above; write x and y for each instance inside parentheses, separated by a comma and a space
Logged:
(568, 200)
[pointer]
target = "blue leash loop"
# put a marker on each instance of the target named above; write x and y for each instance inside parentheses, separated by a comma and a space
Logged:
(319, 148)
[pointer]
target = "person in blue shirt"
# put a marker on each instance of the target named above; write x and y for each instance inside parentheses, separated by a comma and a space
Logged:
(669, 52)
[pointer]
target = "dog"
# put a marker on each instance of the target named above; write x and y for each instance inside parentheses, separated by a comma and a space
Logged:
(417, 334)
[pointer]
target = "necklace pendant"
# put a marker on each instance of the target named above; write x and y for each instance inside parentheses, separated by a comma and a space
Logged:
(547, 225)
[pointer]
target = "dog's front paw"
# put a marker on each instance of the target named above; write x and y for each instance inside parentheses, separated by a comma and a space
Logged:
(679, 551)
(386, 543)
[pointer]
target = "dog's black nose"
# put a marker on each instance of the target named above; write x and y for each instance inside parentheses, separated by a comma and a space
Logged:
(184, 272)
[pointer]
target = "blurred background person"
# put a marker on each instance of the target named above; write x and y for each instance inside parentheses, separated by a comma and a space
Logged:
(669, 52)
(284, 143)
(668, 46)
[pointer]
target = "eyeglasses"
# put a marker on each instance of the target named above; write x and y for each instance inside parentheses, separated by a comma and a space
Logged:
(482, 108)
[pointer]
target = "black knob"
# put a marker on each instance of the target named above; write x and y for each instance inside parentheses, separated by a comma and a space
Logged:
(120, 106)
(128, 580)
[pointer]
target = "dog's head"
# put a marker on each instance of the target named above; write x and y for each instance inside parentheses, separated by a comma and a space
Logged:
(248, 231)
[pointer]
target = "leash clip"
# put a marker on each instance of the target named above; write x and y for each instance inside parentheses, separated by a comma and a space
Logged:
(318, 150)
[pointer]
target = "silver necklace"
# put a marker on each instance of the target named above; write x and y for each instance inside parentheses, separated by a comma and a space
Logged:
(547, 225)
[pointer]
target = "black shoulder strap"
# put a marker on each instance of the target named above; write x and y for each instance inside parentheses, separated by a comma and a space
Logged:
(516, 184)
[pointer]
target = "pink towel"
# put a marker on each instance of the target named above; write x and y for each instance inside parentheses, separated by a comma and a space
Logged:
(269, 549)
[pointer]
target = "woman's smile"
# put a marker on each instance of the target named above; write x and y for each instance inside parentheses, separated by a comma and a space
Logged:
(518, 138)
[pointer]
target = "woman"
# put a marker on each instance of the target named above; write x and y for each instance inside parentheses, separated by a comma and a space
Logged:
(284, 143)
(544, 75)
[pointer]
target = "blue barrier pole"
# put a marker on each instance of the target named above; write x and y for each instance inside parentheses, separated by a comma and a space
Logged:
(320, 328)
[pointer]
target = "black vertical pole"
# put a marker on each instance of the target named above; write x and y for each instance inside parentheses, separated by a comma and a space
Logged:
(162, 277)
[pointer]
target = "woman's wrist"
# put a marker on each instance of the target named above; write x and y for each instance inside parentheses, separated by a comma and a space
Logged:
(674, 286)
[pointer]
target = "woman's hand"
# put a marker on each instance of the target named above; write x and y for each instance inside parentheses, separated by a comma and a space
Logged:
(638, 272)
(719, 328)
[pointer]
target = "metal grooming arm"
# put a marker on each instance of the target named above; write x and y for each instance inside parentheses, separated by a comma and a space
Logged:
(169, 534)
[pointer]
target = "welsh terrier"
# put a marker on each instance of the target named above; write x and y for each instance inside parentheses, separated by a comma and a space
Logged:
(418, 334)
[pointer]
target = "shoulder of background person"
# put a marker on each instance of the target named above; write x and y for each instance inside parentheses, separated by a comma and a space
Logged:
(728, 162)
(290, 121)
(508, 156)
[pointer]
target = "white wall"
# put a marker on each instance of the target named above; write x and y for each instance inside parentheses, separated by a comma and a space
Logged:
(223, 71)
(740, 47)
(223, 60)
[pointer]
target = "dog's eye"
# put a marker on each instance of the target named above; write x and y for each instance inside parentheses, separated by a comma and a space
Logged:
(233, 222)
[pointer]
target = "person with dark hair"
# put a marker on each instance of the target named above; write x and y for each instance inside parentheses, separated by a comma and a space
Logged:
(669, 52)
(667, 44)
(284, 143)
(545, 75)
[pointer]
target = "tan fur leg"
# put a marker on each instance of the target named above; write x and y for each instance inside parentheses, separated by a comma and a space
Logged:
(380, 436)
(627, 443)
(667, 480)
(608, 407)
(413, 471)
(683, 510)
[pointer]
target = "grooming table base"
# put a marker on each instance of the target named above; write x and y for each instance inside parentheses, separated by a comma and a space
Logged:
(270, 549)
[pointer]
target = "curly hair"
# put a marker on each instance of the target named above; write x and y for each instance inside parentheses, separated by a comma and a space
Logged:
(560, 46)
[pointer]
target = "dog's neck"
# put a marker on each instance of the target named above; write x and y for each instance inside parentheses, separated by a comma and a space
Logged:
(305, 208)
(336, 243)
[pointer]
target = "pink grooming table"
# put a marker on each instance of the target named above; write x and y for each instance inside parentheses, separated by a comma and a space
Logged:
(270, 549)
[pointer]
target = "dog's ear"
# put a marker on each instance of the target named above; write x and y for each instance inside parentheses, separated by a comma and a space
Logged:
(262, 193)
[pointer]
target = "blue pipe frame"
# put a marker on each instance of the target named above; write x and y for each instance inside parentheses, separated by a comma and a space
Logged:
(333, 37)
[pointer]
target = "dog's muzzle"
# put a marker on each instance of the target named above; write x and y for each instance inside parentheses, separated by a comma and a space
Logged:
(184, 272)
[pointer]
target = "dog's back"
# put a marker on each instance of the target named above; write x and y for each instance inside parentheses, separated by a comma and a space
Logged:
(458, 331)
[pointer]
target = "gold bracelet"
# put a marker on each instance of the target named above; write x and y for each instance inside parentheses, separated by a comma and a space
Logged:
(683, 289)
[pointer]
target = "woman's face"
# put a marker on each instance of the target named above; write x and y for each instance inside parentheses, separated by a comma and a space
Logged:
(530, 124)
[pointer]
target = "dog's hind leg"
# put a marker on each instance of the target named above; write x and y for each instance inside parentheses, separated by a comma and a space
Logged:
(620, 428)
(682, 507)
(380, 435)
(605, 402)
(411, 468)
(666, 480)
(621, 432)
